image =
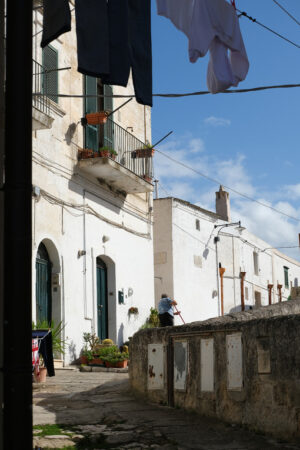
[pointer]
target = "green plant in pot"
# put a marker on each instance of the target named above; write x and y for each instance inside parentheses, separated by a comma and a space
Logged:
(107, 152)
(117, 359)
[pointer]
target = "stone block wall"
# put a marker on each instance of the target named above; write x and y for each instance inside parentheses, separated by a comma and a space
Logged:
(243, 368)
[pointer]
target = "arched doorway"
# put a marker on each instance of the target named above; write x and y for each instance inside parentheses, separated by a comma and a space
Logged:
(43, 285)
(102, 303)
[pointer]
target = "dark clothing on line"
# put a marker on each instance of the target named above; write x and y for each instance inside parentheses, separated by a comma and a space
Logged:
(113, 37)
(92, 37)
(166, 320)
(56, 20)
(45, 349)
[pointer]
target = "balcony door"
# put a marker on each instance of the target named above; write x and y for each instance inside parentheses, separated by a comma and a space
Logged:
(102, 135)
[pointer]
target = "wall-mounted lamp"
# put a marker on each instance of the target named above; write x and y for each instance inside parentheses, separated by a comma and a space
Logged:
(81, 253)
(105, 239)
(130, 292)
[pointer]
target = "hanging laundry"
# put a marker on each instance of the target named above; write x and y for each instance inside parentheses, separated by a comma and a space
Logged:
(113, 37)
(92, 37)
(211, 25)
(35, 356)
(56, 20)
(45, 349)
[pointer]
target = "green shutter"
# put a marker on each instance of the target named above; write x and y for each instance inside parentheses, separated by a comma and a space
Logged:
(91, 132)
(109, 126)
(108, 101)
(50, 80)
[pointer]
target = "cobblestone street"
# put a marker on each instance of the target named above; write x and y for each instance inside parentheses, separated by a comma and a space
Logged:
(98, 411)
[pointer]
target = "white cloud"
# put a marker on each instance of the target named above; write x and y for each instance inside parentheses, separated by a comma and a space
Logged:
(217, 121)
(293, 191)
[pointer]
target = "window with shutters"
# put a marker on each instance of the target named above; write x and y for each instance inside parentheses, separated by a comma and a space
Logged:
(256, 263)
(97, 136)
(286, 277)
(50, 75)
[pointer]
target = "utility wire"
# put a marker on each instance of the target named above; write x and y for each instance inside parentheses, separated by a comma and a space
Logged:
(213, 180)
(188, 94)
(243, 13)
(286, 11)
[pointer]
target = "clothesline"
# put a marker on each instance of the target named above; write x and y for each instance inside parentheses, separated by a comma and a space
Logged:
(178, 95)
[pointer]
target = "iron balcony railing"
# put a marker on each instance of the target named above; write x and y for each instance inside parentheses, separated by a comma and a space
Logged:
(125, 144)
(39, 99)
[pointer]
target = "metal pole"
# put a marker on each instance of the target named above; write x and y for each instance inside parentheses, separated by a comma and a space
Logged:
(17, 227)
(2, 74)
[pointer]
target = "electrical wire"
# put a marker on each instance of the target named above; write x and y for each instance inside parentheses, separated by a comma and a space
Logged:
(244, 14)
(186, 94)
(286, 11)
(89, 210)
(213, 180)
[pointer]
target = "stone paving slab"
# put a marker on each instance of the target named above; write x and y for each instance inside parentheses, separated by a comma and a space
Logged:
(101, 413)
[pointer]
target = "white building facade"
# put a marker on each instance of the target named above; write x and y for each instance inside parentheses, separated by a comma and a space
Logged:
(211, 267)
(92, 217)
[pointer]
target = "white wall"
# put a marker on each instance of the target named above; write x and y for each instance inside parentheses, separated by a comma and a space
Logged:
(62, 225)
(192, 277)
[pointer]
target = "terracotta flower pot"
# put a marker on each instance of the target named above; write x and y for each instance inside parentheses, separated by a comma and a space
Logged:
(118, 365)
(97, 118)
(86, 153)
(83, 359)
(41, 377)
(144, 152)
(104, 153)
(147, 178)
(97, 362)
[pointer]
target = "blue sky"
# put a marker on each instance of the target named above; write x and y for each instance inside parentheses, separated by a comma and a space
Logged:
(249, 142)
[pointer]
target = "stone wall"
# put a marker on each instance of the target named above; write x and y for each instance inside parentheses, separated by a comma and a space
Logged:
(243, 368)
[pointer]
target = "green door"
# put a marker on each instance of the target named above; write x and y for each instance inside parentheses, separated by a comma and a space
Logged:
(91, 106)
(43, 285)
(102, 307)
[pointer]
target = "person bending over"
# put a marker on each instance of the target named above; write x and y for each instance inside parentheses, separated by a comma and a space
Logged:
(165, 311)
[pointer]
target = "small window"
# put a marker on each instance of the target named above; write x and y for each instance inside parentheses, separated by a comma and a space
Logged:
(286, 277)
(246, 293)
(198, 224)
(50, 79)
(255, 262)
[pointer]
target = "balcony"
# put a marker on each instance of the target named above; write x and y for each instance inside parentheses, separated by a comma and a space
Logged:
(127, 173)
(41, 118)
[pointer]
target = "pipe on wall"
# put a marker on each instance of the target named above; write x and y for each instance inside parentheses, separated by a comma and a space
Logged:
(221, 272)
(270, 287)
(242, 275)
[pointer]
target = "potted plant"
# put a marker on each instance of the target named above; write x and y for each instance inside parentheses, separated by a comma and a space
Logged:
(85, 153)
(107, 152)
(58, 345)
(133, 310)
(146, 152)
(97, 118)
(40, 373)
(117, 359)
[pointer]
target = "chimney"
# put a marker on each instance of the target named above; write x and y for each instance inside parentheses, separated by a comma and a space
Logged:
(223, 204)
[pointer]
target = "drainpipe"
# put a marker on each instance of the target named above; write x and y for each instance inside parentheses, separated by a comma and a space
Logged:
(270, 287)
(279, 287)
(84, 259)
(242, 276)
(221, 272)
(217, 269)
